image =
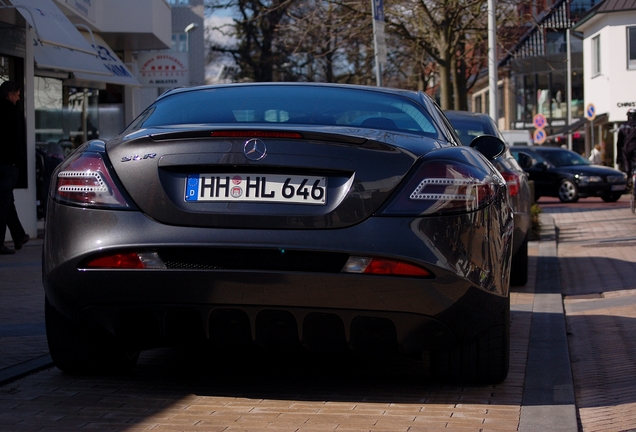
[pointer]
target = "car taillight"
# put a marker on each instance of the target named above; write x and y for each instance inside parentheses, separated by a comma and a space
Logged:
(383, 266)
(130, 260)
(512, 180)
(442, 187)
(84, 180)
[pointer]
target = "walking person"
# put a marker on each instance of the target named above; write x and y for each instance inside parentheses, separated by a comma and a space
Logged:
(596, 157)
(11, 144)
(626, 143)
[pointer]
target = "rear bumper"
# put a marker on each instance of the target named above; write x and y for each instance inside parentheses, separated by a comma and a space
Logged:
(153, 307)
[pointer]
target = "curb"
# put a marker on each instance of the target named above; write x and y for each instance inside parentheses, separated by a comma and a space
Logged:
(548, 393)
(20, 370)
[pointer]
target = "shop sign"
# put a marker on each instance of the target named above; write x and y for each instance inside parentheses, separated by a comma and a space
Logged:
(163, 68)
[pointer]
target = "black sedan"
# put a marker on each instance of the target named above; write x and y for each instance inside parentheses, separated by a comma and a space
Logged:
(562, 173)
(282, 216)
(469, 126)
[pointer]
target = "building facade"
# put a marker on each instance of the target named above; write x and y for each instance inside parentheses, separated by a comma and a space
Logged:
(535, 75)
(77, 61)
(609, 63)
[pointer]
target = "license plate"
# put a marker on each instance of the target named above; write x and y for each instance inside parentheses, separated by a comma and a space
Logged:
(618, 187)
(256, 188)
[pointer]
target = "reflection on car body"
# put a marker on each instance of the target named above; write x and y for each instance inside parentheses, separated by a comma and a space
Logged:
(469, 126)
(381, 238)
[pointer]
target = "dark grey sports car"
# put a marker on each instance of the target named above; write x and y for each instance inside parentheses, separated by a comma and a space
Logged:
(329, 217)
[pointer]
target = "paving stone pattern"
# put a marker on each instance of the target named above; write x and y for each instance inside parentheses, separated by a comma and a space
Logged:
(174, 389)
(597, 258)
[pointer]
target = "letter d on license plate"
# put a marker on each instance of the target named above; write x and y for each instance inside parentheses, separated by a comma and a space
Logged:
(256, 188)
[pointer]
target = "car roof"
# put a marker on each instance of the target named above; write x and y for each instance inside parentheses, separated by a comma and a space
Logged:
(538, 148)
(467, 114)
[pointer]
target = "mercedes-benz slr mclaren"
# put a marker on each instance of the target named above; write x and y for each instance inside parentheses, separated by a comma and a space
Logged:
(321, 217)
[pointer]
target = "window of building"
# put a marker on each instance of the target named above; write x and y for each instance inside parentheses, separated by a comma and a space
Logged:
(596, 55)
(179, 2)
(631, 47)
(180, 42)
(555, 42)
(66, 116)
(477, 104)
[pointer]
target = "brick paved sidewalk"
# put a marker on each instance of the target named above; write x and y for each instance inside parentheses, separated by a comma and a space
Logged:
(172, 390)
(22, 333)
(597, 258)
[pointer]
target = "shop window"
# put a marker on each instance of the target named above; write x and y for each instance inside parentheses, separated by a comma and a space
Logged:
(64, 116)
(631, 47)
(596, 55)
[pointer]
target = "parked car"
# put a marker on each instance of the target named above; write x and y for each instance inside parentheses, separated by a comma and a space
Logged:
(281, 215)
(469, 126)
(562, 173)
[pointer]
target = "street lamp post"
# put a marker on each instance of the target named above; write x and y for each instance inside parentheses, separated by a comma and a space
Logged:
(189, 28)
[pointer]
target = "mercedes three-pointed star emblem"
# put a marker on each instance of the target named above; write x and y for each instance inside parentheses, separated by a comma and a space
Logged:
(255, 149)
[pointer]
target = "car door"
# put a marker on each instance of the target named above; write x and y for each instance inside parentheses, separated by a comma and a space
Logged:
(541, 173)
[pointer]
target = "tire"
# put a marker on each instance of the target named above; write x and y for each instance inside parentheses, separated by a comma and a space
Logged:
(519, 267)
(88, 349)
(610, 198)
(484, 361)
(568, 192)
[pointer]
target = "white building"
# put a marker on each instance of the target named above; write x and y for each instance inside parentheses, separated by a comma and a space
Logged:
(77, 61)
(609, 67)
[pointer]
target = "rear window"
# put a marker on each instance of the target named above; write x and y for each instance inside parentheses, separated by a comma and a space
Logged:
(564, 158)
(287, 105)
(470, 128)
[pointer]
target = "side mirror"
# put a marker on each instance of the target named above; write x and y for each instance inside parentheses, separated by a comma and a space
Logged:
(488, 145)
(524, 160)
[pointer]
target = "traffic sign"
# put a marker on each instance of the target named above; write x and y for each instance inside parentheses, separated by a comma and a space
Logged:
(590, 112)
(539, 136)
(539, 121)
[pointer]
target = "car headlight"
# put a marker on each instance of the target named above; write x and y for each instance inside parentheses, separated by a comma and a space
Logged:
(590, 179)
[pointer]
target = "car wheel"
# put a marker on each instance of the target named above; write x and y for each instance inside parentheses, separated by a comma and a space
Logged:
(611, 198)
(568, 192)
(85, 350)
(484, 361)
(519, 268)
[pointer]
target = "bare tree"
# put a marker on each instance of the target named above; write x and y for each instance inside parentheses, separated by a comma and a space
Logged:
(255, 30)
(429, 41)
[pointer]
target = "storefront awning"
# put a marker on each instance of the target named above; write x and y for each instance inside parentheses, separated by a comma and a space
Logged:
(52, 27)
(57, 58)
(571, 128)
(119, 72)
(58, 44)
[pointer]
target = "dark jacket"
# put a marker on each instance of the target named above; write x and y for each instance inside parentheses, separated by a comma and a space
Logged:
(626, 144)
(12, 133)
